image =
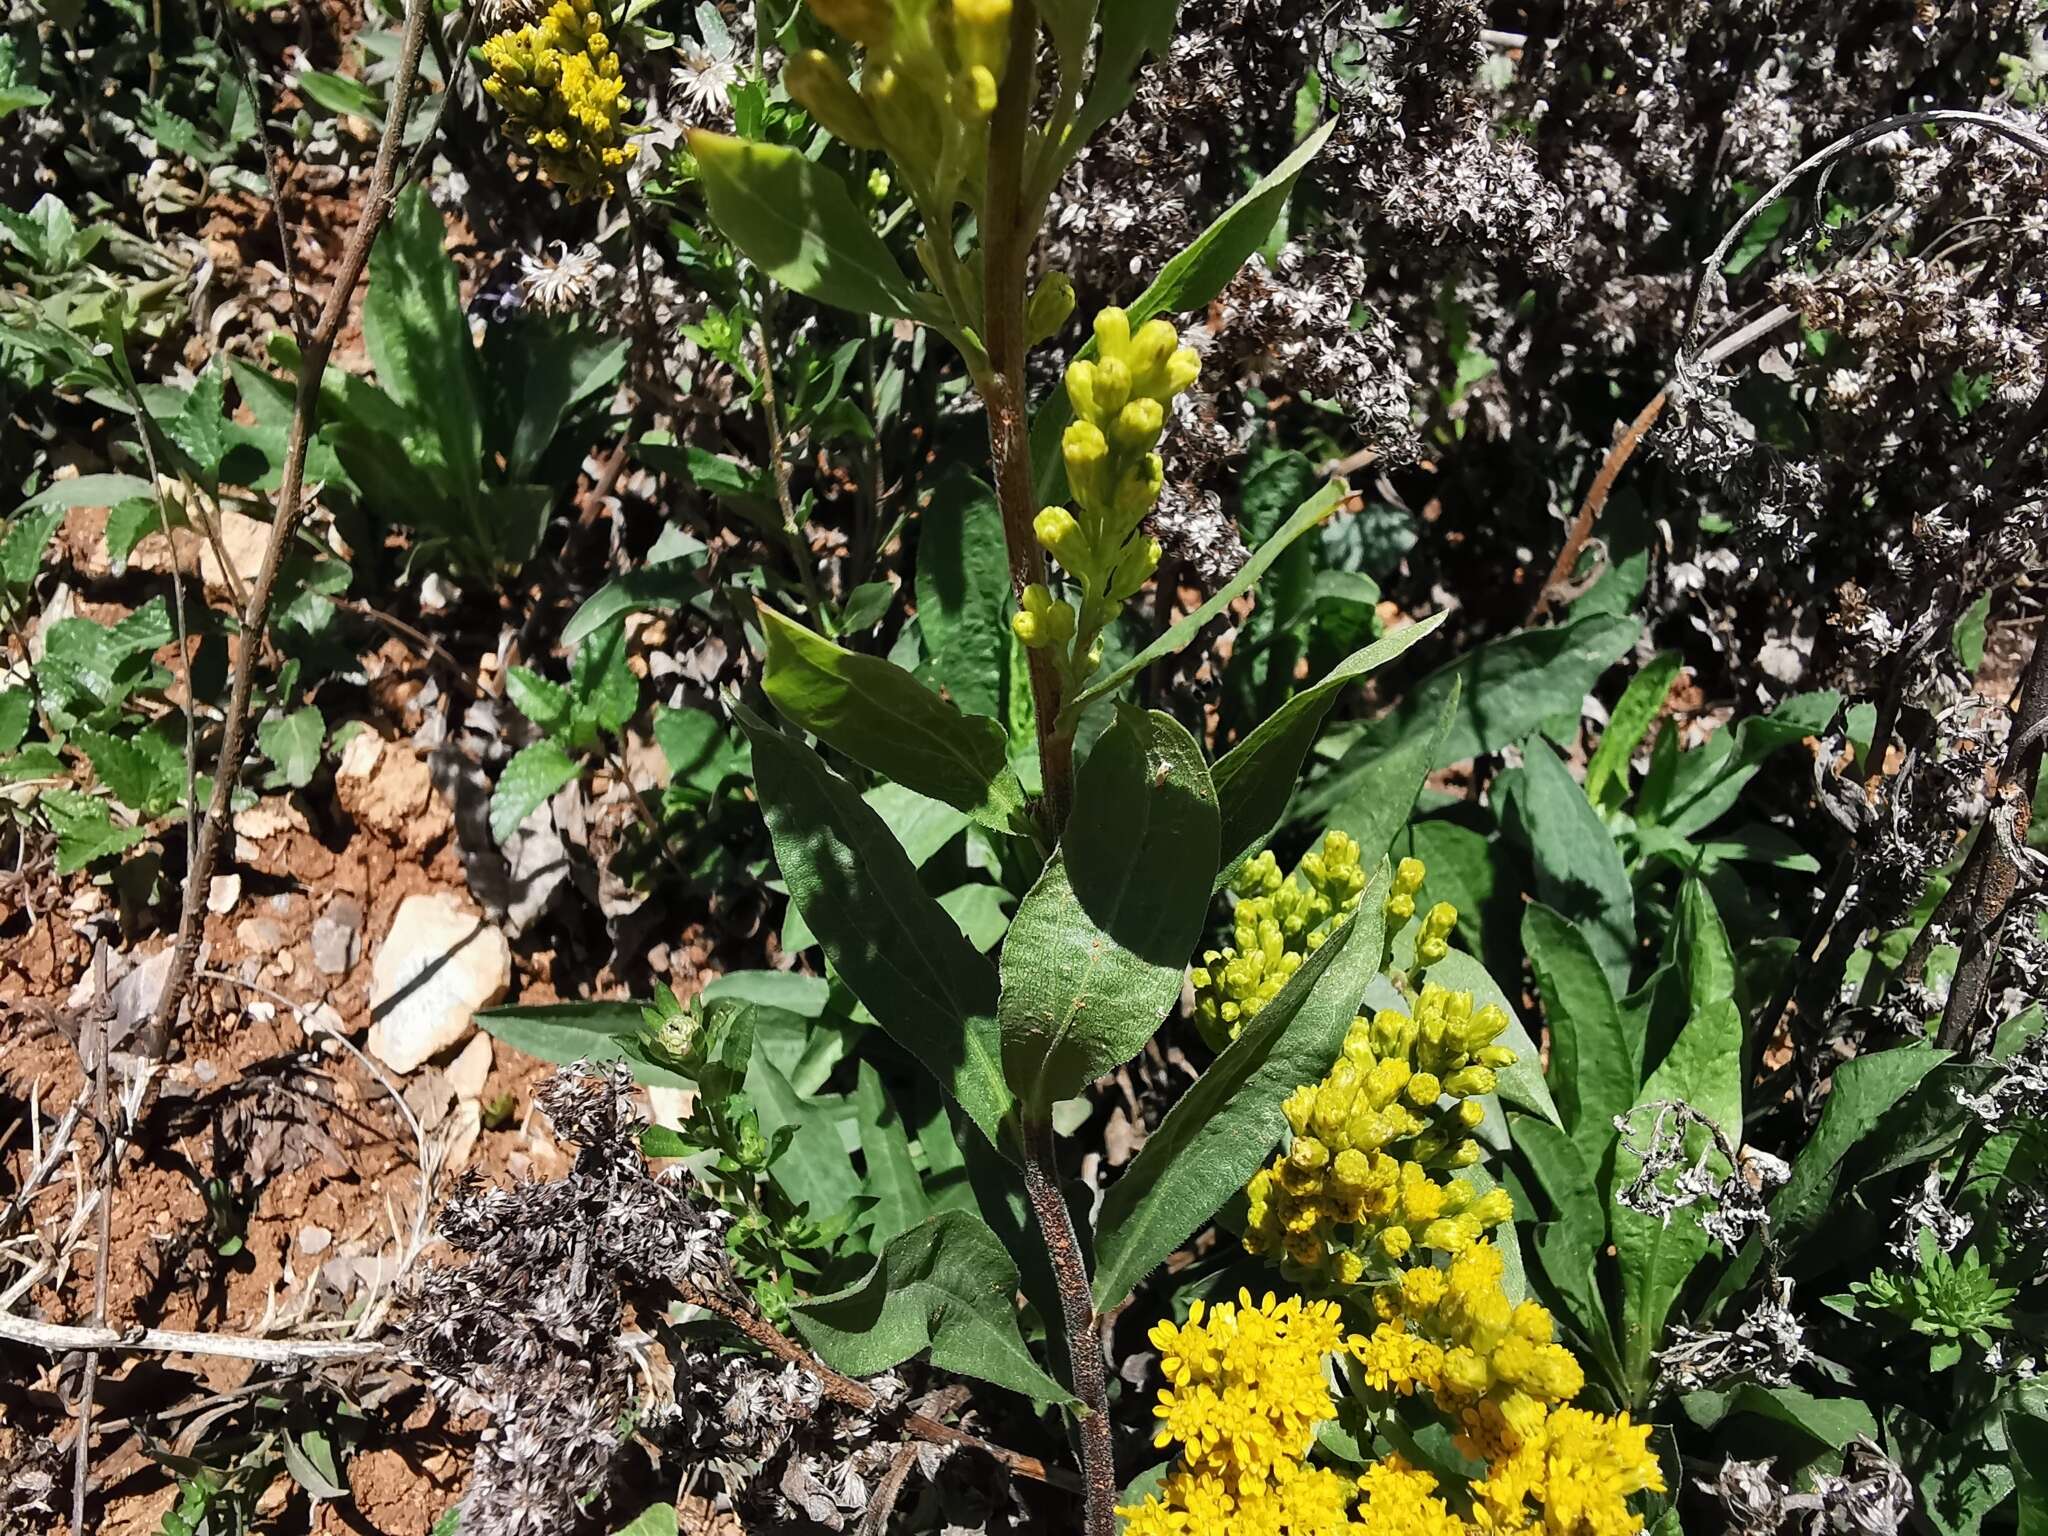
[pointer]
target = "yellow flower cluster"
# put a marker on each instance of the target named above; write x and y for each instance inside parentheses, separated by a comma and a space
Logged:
(1245, 1392)
(1497, 1369)
(1278, 922)
(929, 76)
(559, 85)
(1354, 1190)
(1113, 476)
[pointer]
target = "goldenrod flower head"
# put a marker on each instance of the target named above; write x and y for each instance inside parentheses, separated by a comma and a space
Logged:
(1400, 1500)
(1277, 916)
(1386, 1120)
(1042, 620)
(559, 85)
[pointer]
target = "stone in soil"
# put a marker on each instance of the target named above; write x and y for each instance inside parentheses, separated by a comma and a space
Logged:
(439, 964)
(471, 1068)
(337, 936)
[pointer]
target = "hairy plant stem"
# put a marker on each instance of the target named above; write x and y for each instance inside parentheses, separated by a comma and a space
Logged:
(291, 510)
(1077, 1306)
(1009, 225)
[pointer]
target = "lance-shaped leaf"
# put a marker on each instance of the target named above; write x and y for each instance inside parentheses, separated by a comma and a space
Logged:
(894, 945)
(1224, 1127)
(885, 719)
(1311, 512)
(1594, 1061)
(1100, 944)
(797, 222)
(1656, 1256)
(1255, 778)
(1578, 868)
(946, 1285)
(1194, 276)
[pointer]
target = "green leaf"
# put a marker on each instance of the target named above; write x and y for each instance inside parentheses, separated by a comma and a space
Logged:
(1655, 1257)
(21, 549)
(535, 772)
(293, 743)
(1968, 639)
(417, 335)
(201, 427)
(1578, 868)
(559, 371)
(1706, 782)
(2028, 1437)
(1506, 689)
(1828, 1421)
(796, 221)
(977, 910)
(865, 606)
(662, 587)
(17, 709)
(1634, 713)
(1100, 945)
(886, 720)
(1311, 512)
(85, 831)
(1371, 801)
(1863, 1090)
(1565, 1247)
(1225, 1126)
(963, 592)
(1130, 30)
(1194, 276)
(145, 772)
(340, 95)
(948, 1286)
(602, 685)
(132, 521)
(702, 756)
(1709, 957)
(1255, 779)
(547, 704)
(892, 1180)
(1594, 1062)
(596, 1032)
(1522, 1084)
(881, 930)
(654, 1520)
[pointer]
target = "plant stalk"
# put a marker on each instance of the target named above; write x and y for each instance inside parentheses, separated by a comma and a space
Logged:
(1009, 225)
(291, 508)
(1077, 1306)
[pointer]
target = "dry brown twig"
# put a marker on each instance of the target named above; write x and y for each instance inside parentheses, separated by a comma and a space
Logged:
(290, 511)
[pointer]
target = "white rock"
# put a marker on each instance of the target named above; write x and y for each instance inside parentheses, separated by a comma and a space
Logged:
(464, 1126)
(470, 1070)
(439, 964)
(360, 756)
(314, 1239)
(223, 893)
(260, 935)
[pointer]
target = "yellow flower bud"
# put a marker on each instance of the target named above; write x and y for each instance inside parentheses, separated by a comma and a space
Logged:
(974, 93)
(816, 83)
(1086, 451)
(1051, 304)
(1137, 490)
(1059, 533)
(1112, 333)
(1408, 876)
(1042, 620)
(1182, 369)
(1424, 1090)
(1469, 1082)
(1498, 1057)
(866, 22)
(1134, 568)
(1138, 425)
(981, 36)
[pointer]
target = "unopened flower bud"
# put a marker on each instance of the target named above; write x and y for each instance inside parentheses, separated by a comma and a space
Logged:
(1061, 536)
(1043, 620)
(816, 83)
(1134, 568)
(1051, 304)
(974, 93)
(866, 22)
(1138, 425)
(1086, 452)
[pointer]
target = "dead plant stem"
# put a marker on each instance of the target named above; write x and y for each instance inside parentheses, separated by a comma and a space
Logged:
(290, 511)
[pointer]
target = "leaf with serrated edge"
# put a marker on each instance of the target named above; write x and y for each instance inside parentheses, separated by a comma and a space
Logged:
(535, 773)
